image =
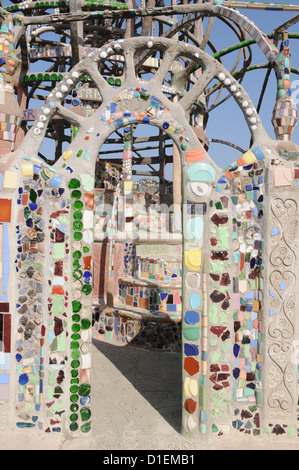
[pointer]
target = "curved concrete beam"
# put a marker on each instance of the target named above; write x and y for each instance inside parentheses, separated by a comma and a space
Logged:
(172, 49)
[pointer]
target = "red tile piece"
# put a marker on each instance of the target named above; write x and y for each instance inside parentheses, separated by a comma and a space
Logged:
(191, 365)
(7, 333)
(5, 210)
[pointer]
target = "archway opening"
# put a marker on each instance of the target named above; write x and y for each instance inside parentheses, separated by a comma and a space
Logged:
(144, 256)
(138, 242)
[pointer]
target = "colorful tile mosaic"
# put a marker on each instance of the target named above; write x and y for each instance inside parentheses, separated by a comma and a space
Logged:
(158, 269)
(59, 226)
(81, 307)
(31, 329)
(218, 290)
(285, 114)
(162, 297)
(219, 319)
(246, 190)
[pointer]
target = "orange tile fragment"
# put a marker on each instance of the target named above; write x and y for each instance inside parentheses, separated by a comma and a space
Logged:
(5, 210)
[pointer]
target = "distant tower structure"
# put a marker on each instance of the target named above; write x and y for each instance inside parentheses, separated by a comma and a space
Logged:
(10, 112)
(285, 114)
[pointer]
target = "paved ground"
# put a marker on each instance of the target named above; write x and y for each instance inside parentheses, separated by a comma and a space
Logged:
(136, 405)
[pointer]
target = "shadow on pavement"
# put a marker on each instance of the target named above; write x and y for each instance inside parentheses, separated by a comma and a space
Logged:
(156, 375)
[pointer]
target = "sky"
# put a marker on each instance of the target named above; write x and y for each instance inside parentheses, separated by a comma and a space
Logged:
(226, 121)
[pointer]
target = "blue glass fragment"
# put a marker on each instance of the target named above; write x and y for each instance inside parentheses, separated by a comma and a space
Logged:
(236, 350)
(191, 349)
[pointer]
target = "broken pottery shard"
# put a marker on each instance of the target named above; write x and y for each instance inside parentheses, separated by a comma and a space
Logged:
(217, 296)
(219, 219)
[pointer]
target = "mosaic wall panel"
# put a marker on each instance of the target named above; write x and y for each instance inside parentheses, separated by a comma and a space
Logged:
(246, 188)
(166, 298)
(5, 310)
(232, 307)
(219, 313)
(59, 226)
(31, 252)
(158, 268)
(52, 315)
(82, 240)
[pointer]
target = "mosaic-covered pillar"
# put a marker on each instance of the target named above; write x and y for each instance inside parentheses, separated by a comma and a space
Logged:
(128, 182)
(11, 230)
(30, 319)
(219, 281)
(82, 223)
(177, 192)
(198, 179)
(241, 321)
(54, 298)
(54, 272)
(285, 114)
(6, 304)
(129, 250)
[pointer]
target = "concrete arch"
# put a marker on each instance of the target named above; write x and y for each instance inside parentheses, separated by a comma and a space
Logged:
(211, 10)
(72, 179)
(172, 50)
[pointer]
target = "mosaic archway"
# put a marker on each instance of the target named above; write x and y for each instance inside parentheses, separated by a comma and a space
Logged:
(49, 218)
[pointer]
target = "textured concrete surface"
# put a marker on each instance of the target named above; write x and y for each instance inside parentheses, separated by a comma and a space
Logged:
(136, 404)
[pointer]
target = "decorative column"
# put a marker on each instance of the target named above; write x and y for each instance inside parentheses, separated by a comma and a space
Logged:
(177, 170)
(129, 255)
(281, 364)
(82, 217)
(128, 183)
(177, 192)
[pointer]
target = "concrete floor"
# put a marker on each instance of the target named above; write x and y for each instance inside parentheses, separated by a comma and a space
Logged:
(140, 392)
(136, 405)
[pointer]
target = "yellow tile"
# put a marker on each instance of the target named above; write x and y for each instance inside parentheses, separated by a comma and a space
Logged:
(128, 185)
(204, 367)
(256, 306)
(193, 259)
(249, 157)
(27, 169)
(67, 154)
(10, 179)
